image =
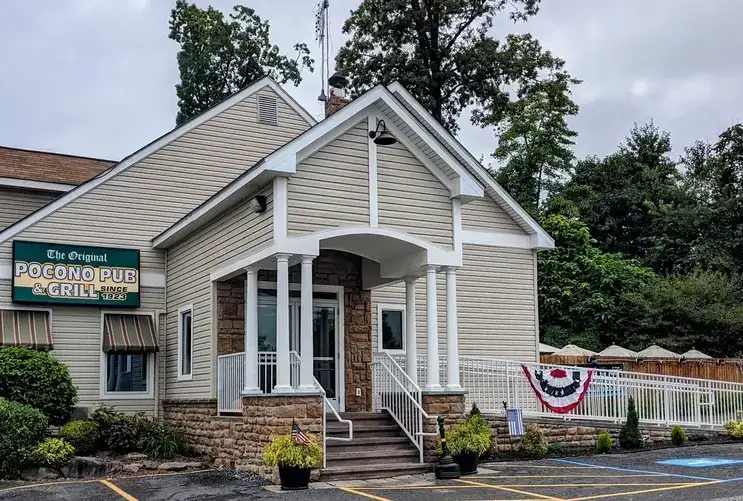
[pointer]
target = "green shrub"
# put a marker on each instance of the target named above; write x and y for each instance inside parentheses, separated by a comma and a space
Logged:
(734, 428)
(162, 441)
(678, 436)
(603, 443)
(53, 453)
(284, 451)
(470, 437)
(37, 379)
(120, 432)
(84, 436)
(557, 449)
(630, 436)
(533, 443)
(21, 428)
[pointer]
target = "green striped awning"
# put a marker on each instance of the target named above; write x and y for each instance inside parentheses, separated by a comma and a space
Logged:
(31, 329)
(129, 333)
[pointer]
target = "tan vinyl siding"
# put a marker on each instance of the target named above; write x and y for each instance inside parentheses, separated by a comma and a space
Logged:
(331, 188)
(16, 204)
(486, 215)
(495, 305)
(76, 331)
(232, 234)
(411, 199)
(147, 198)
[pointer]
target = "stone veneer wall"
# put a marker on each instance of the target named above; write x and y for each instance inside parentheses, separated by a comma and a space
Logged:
(231, 316)
(577, 434)
(344, 269)
(238, 442)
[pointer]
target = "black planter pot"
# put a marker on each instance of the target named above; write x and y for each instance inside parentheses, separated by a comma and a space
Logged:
(294, 478)
(467, 463)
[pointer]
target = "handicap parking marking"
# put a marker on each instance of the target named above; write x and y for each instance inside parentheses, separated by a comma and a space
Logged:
(631, 470)
(700, 462)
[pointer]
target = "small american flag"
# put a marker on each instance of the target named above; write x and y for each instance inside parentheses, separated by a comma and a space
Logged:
(298, 435)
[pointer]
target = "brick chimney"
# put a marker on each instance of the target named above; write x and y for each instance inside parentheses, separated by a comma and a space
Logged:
(334, 103)
(337, 94)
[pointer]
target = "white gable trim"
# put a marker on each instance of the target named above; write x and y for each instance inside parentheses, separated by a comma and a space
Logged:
(545, 241)
(284, 160)
(144, 152)
(28, 184)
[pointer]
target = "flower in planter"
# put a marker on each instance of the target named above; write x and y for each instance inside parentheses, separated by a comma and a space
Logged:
(285, 451)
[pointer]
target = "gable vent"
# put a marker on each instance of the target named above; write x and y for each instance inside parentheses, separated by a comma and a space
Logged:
(268, 112)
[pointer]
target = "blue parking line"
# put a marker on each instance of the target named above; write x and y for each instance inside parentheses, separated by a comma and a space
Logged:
(707, 479)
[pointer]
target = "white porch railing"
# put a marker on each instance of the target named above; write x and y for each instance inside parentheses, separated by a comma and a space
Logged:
(231, 377)
(663, 400)
(396, 393)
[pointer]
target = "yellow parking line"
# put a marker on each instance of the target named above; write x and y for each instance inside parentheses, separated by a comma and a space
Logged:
(46, 484)
(600, 496)
(118, 491)
(364, 494)
(502, 488)
(684, 484)
(541, 466)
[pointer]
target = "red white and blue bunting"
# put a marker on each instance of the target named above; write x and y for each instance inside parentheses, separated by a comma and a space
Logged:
(560, 390)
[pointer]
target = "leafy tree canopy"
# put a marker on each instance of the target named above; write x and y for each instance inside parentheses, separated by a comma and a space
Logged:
(535, 144)
(218, 56)
(440, 50)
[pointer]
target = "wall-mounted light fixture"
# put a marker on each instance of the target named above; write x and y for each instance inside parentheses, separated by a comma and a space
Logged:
(383, 138)
(258, 204)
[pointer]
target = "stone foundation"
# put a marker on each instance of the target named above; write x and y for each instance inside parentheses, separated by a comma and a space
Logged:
(238, 442)
(576, 435)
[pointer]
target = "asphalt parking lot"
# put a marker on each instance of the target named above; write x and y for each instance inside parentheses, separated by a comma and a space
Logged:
(713, 472)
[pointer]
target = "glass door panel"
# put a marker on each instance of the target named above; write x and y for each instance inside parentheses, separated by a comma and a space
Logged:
(325, 352)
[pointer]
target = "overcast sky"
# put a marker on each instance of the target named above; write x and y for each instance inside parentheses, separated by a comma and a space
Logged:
(96, 77)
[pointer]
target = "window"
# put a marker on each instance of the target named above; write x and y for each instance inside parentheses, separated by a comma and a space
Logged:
(391, 328)
(128, 346)
(126, 372)
(185, 343)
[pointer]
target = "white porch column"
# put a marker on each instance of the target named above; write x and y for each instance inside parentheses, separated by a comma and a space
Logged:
(283, 379)
(251, 332)
(305, 373)
(411, 355)
(452, 337)
(432, 348)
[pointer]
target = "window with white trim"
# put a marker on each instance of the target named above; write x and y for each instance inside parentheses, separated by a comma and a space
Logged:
(129, 343)
(391, 328)
(185, 343)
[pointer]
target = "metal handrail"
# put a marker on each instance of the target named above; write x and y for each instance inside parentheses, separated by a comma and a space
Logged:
(414, 403)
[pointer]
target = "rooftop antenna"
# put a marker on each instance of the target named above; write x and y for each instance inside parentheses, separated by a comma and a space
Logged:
(323, 40)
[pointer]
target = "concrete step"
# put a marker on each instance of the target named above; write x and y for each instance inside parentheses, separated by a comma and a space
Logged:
(362, 456)
(362, 416)
(366, 431)
(371, 443)
(366, 471)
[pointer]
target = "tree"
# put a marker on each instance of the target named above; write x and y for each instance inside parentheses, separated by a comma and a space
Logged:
(714, 178)
(218, 57)
(441, 52)
(701, 310)
(582, 290)
(630, 436)
(616, 195)
(535, 142)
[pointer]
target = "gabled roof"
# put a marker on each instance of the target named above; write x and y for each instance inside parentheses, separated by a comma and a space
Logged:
(152, 147)
(500, 195)
(547, 349)
(19, 165)
(459, 180)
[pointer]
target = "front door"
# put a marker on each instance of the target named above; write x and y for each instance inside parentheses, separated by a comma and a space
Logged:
(326, 349)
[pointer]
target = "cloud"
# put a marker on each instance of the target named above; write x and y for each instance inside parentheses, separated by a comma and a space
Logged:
(96, 77)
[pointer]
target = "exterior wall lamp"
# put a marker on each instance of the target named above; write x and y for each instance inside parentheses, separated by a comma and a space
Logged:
(258, 204)
(383, 138)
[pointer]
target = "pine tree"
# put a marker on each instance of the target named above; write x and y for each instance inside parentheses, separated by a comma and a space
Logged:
(630, 436)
